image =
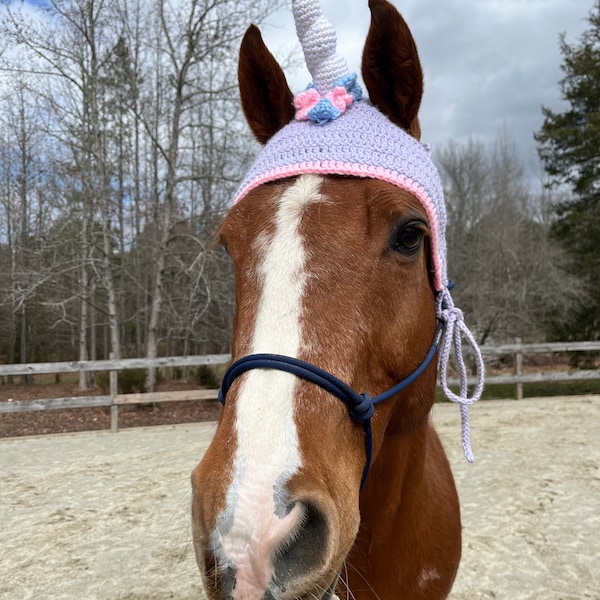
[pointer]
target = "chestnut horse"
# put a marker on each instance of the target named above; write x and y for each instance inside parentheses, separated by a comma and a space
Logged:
(294, 499)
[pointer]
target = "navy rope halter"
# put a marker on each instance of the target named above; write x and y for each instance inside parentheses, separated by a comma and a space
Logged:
(360, 406)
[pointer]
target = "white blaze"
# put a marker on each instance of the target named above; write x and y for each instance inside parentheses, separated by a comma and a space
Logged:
(268, 454)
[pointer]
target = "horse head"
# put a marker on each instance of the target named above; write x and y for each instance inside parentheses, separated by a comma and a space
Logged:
(337, 241)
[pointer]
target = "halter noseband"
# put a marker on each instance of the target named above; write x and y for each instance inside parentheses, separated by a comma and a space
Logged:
(360, 406)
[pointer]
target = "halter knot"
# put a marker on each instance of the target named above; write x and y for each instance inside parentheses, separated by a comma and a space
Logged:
(364, 409)
(360, 406)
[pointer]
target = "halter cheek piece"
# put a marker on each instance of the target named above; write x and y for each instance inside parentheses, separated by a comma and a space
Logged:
(360, 406)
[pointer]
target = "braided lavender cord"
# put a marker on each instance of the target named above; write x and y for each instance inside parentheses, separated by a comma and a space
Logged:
(318, 39)
(455, 329)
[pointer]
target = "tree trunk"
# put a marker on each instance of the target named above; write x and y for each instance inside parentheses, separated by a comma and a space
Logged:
(83, 298)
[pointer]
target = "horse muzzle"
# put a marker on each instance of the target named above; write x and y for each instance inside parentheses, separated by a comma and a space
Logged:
(285, 557)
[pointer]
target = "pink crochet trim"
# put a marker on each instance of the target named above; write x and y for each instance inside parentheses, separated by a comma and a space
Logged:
(340, 168)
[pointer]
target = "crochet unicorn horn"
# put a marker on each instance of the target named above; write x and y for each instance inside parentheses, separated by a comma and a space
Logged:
(334, 88)
(319, 41)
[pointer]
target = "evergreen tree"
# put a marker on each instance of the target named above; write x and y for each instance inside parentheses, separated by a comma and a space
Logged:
(569, 145)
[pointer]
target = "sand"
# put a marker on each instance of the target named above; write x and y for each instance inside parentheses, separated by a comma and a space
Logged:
(104, 516)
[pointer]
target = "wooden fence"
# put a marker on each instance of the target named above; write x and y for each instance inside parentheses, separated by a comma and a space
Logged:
(114, 399)
(518, 350)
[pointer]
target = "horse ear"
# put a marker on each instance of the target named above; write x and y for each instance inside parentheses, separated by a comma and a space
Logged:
(266, 98)
(391, 68)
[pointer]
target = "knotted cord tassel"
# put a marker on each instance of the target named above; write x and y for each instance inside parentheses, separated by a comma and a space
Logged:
(455, 330)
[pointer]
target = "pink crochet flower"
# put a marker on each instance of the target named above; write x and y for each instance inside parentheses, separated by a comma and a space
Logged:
(340, 98)
(304, 101)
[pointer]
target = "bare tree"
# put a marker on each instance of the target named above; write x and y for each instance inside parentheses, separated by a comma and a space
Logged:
(197, 46)
(21, 205)
(511, 278)
(148, 145)
(67, 48)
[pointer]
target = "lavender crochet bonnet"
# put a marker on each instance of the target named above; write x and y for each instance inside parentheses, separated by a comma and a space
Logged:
(338, 132)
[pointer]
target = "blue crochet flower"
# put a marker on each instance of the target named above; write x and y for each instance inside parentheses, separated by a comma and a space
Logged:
(323, 112)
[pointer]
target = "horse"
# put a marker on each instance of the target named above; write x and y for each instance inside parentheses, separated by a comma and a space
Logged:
(337, 287)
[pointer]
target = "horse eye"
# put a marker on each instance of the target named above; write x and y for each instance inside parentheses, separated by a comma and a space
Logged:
(406, 238)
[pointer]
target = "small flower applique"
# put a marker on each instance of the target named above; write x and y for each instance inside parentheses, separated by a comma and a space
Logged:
(311, 106)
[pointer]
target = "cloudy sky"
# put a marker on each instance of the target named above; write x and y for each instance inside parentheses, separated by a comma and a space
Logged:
(489, 64)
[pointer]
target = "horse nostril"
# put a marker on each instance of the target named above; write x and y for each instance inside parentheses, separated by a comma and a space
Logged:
(306, 549)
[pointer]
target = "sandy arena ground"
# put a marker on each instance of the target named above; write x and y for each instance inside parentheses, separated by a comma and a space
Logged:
(101, 516)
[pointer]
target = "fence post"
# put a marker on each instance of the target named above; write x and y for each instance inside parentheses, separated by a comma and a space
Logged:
(518, 369)
(114, 408)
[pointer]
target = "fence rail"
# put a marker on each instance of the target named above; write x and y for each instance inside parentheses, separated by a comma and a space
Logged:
(114, 399)
(113, 364)
(517, 350)
(549, 348)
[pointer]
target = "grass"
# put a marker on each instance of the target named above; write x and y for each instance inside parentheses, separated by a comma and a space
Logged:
(501, 391)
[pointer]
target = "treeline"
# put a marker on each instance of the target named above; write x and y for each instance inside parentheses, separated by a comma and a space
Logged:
(513, 279)
(121, 144)
(527, 263)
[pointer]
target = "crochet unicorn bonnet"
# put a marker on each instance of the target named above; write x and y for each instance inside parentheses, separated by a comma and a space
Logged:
(337, 130)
